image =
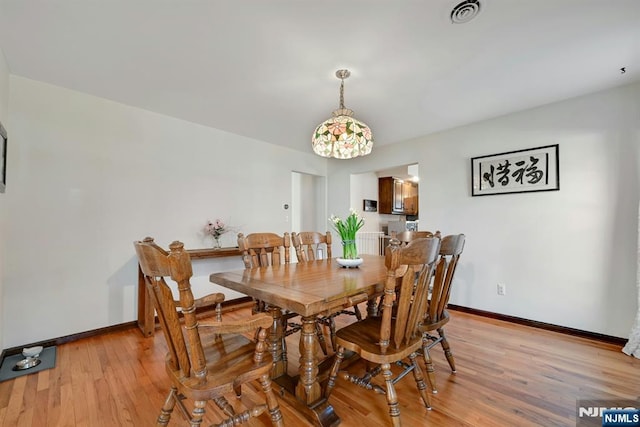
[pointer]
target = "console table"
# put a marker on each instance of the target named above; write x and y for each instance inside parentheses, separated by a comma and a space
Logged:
(146, 312)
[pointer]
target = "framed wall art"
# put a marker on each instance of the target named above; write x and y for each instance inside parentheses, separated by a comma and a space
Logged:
(3, 161)
(370, 205)
(521, 171)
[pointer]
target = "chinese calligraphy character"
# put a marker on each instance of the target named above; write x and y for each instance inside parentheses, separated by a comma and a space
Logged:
(488, 176)
(503, 170)
(533, 172)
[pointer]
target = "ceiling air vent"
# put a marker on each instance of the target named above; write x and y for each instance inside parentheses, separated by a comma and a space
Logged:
(465, 11)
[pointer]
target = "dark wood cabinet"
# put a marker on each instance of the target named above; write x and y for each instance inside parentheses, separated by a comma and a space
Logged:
(410, 198)
(396, 196)
(389, 195)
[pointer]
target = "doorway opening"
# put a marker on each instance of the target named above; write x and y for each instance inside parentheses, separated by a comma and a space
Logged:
(308, 202)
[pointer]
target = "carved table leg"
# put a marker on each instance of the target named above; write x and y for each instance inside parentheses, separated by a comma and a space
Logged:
(276, 340)
(308, 388)
(308, 399)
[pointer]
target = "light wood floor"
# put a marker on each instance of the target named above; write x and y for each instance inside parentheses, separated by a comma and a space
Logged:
(508, 375)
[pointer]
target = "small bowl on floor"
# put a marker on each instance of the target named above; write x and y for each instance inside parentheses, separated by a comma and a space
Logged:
(27, 363)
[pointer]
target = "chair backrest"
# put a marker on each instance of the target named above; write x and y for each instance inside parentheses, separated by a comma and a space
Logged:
(156, 264)
(310, 245)
(263, 249)
(406, 236)
(412, 267)
(450, 250)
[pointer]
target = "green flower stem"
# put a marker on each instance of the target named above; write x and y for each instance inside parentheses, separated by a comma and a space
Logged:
(347, 230)
(349, 249)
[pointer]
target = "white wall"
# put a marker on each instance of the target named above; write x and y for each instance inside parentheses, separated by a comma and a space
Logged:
(4, 118)
(90, 176)
(364, 186)
(566, 257)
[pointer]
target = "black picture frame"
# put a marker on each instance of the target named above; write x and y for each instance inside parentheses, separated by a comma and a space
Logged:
(3, 161)
(370, 205)
(520, 171)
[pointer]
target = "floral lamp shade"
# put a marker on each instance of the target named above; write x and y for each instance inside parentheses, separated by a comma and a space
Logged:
(342, 136)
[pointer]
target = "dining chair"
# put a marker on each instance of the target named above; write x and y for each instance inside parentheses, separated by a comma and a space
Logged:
(391, 339)
(437, 315)
(261, 250)
(309, 246)
(265, 249)
(312, 245)
(206, 359)
(405, 237)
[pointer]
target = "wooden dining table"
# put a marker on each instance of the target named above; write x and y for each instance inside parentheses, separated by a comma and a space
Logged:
(310, 289)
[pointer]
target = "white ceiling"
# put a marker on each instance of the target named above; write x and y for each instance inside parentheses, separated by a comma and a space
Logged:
(265, 68)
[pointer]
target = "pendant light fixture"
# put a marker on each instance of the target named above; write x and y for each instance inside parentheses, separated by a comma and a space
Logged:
(342, 136)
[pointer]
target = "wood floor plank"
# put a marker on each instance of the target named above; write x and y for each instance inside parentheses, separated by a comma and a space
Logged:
(16, 400)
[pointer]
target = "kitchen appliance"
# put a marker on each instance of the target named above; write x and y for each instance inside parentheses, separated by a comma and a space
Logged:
(411, 225)
(400, 226)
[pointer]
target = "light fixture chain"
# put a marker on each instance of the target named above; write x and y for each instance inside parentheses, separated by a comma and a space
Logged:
(342, 94)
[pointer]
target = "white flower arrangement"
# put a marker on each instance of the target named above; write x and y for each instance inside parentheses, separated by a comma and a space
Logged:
(347, 230)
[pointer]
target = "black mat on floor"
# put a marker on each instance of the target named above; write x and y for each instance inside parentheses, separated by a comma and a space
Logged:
(47, 357)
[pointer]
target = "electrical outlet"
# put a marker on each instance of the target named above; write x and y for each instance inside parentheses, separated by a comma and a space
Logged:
(502, 289)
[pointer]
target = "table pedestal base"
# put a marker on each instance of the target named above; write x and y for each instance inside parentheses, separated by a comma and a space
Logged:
(305, 391)
(320, 413)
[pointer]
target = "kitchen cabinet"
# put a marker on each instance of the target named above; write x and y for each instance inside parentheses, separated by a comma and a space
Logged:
(396, 196)
(410, 201)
